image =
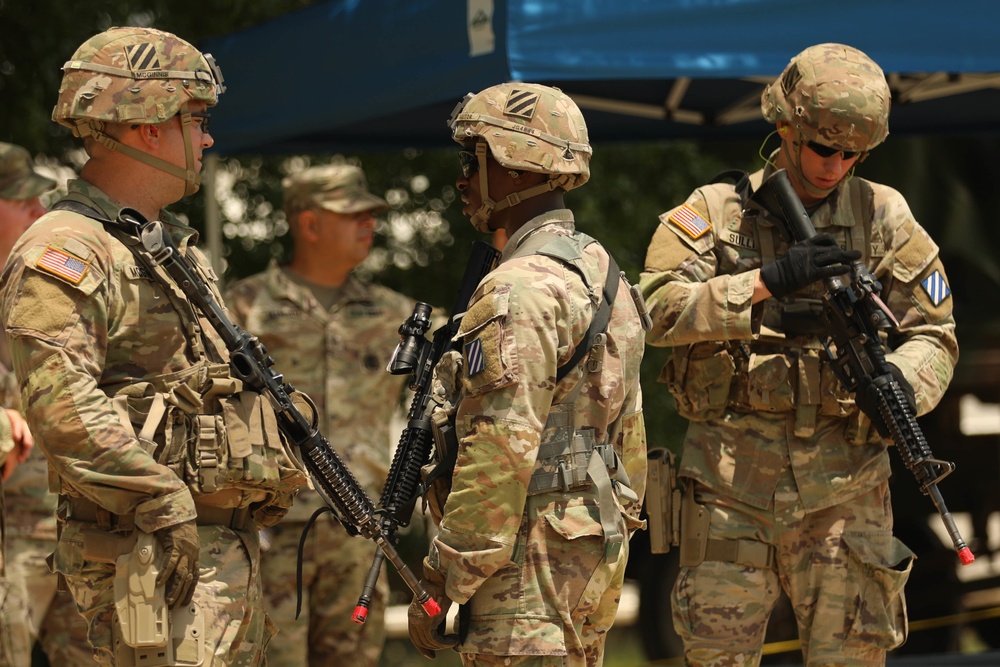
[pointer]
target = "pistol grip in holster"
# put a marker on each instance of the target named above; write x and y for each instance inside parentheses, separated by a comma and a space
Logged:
(145, 631)
(694, 528)
(663, 501)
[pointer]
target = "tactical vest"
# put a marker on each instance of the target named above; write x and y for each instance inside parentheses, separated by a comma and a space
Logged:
(785, 369)
(570, 459)
(199, 422)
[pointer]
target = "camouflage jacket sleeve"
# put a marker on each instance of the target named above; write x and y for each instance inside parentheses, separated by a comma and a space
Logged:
(6, 441)
(915, 287)
(61, 324)
(689, 298)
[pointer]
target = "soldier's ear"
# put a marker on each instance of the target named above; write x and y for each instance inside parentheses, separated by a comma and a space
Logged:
(308, 223)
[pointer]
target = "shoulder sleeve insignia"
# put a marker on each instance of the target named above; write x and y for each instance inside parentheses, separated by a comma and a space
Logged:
(62, 264)
(474, 357)
(936, 288)
(690, 221)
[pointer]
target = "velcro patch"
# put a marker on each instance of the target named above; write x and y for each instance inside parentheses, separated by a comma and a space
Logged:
(690, 221)
(61, 263)
(936, 287)
(521, 103)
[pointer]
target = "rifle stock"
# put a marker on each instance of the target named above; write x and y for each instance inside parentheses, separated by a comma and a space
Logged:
(854, 314)
(418, 357)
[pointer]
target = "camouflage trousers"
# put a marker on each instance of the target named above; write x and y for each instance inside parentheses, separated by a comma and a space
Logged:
(841, 567)
(557, 599)
(334, 567)
(34, 610)
(228, 595)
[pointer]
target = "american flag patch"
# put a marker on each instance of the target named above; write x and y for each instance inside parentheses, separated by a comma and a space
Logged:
(474, 357)
(936, 287)
(521, 103)
(62, 264)
(690, 221)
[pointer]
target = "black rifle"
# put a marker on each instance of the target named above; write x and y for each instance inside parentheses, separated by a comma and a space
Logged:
(417, 356)
(853, 315)
(251, 364)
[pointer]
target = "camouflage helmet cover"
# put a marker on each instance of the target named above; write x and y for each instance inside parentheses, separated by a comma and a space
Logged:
(135, 75)
(834, 94)
(528, 127)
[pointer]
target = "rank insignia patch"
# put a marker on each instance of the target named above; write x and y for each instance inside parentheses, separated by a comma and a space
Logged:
(521, 103)
(690, 221)
(474, 357)
(62, 264)
(936, 287)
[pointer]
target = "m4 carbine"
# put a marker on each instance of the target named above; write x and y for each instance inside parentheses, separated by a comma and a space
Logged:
(853, 316)
(251, 364)
(417, 356)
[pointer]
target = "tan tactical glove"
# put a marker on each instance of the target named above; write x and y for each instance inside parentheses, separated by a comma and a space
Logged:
(180, 562)
(427, 632)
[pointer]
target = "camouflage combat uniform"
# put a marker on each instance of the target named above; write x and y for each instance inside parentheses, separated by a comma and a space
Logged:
(131, 401)
(34, 609)
(779, 451)
(338, 358)
(532, 566)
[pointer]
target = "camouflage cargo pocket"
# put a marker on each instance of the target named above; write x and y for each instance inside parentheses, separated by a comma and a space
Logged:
(770, 383)
(880, 564)
(702, 393)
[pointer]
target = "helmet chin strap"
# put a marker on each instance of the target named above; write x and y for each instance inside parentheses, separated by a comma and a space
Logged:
(481, 218)
(191, 178)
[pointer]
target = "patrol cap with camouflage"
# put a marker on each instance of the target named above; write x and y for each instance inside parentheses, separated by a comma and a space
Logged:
(833, 94)
(340, 188)
(18, 178)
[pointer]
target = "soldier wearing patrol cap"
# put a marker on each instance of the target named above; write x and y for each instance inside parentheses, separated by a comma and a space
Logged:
(165, 468)
(551, 448)
(332, 334)
(786, 476)
(32, 608)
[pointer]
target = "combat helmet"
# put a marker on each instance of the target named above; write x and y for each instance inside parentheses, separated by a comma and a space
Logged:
(833, 94)
(139, 76)
(525, 127)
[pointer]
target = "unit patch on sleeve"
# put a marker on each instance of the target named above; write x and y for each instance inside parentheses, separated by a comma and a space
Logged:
(61, 263)
(690, 221)
(474, 356)
(936, 288)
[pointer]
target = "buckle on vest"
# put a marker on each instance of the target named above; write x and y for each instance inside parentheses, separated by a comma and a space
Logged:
(596, 358)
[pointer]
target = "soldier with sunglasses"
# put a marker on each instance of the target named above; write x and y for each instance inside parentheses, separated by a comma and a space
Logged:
(785, 476)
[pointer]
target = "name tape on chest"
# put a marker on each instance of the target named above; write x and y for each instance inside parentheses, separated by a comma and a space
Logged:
(62, 264)
(690, 221)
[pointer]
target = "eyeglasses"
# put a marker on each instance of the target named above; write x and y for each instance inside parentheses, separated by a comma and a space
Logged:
(469, 162)
(830, 151)
(203, 117)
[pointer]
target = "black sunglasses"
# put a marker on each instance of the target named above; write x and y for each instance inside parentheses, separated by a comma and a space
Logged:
(469, 162)
(203, 117)
(830, 151)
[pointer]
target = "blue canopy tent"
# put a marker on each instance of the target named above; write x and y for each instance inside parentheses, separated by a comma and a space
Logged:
(346, 75)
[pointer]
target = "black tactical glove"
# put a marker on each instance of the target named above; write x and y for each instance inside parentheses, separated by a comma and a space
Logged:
(180, 562)
(806, 262)
(427, 632)
(868, 398)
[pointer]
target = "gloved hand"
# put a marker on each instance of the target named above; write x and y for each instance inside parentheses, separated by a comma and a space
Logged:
(868, 399)
(806, 262)
(180, 562)
(426, 632)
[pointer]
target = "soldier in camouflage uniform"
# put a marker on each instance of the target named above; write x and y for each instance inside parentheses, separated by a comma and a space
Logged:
(20, 187)
(33, 609)
(331, 334)
(551, 460)
(165, 468)
(790, 473)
